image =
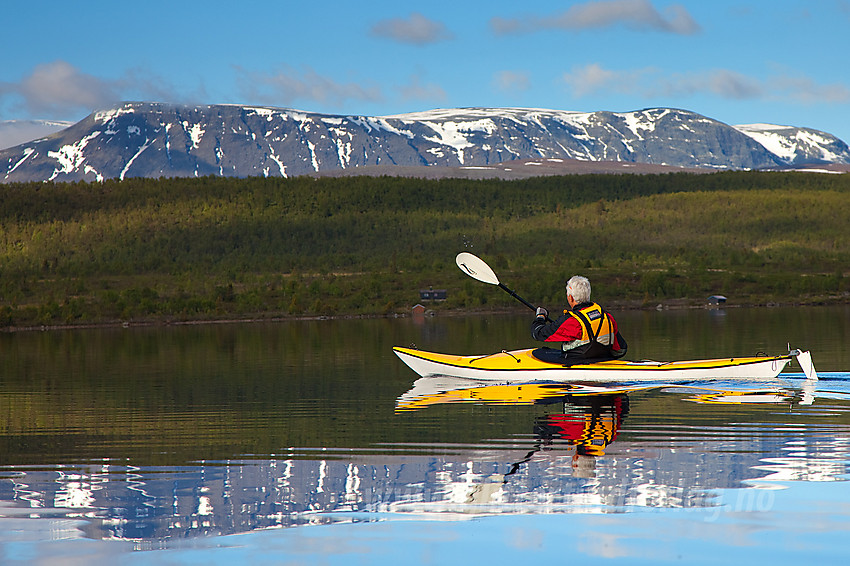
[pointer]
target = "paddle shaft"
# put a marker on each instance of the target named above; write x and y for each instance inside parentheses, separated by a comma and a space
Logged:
(520, 299)
(517, 297)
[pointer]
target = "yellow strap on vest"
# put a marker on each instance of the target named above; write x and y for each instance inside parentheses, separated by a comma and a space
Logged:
(587, 324)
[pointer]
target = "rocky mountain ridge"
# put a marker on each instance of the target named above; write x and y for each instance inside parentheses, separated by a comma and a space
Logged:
(144, 139)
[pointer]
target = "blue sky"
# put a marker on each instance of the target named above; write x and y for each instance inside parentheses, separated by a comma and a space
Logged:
(737, 61)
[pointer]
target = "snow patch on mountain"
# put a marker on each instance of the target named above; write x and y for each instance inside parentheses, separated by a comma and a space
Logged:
(105, 116)
(451, 134)
(141, 150)
(27, 152)
(71, 156)
(195, 131)
(771, 136)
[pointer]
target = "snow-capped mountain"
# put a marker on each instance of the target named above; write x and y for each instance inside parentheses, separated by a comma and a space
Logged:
(797, 146)
(166, 140)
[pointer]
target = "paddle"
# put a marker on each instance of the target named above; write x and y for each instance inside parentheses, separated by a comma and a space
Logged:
(477, 269)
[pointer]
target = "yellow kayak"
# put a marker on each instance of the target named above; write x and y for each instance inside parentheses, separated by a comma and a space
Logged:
(523, 366)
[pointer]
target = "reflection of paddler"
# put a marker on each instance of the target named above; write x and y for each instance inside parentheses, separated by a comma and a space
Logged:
(591, 424)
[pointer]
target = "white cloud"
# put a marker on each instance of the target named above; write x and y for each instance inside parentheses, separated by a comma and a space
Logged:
(593, 79)
(503, 26)
(59, 90)
(806, 91)
(512, 81)
(417, 30)
(417, 90)
(721, 82)
(640, 15)
(648, 82)
(288, 86)
(731, 84)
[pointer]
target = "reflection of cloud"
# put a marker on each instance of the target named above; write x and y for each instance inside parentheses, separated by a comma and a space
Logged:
(636, 14)
(649, 82)
(417, 30)
(288, 86)
(604, 545)
(526, 539)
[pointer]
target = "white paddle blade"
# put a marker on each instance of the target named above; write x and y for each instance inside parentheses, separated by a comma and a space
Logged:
(476, 268)
(806, 364)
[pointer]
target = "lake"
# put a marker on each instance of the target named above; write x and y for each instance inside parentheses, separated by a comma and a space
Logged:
(307, 442)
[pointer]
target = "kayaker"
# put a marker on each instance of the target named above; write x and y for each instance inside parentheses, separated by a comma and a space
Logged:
(586, 331)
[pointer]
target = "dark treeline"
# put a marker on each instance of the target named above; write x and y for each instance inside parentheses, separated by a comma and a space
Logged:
(160, 249)
(65, 201)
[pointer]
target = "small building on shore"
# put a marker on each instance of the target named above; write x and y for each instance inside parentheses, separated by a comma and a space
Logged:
(432, 294)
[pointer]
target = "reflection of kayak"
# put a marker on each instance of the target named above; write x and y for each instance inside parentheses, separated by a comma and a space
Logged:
(436, 390)
(521, 365)
(429, 391)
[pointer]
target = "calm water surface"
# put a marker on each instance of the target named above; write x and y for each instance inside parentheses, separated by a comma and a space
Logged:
(311, 441)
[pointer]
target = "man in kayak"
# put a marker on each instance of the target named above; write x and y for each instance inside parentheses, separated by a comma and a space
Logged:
(587, 333)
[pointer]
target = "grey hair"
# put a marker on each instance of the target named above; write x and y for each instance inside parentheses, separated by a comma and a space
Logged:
(579, 287)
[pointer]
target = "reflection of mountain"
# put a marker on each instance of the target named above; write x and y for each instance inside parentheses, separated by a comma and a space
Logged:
(650, 467)
(584, 456)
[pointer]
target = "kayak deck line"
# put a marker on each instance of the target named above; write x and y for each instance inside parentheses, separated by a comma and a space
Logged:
(522, 364)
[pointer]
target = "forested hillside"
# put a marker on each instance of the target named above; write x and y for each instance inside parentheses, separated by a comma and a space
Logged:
(185, 249)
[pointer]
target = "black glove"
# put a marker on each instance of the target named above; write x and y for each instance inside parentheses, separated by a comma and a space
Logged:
(542, 313)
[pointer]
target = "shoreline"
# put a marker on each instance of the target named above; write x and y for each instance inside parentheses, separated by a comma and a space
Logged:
(256, 319)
